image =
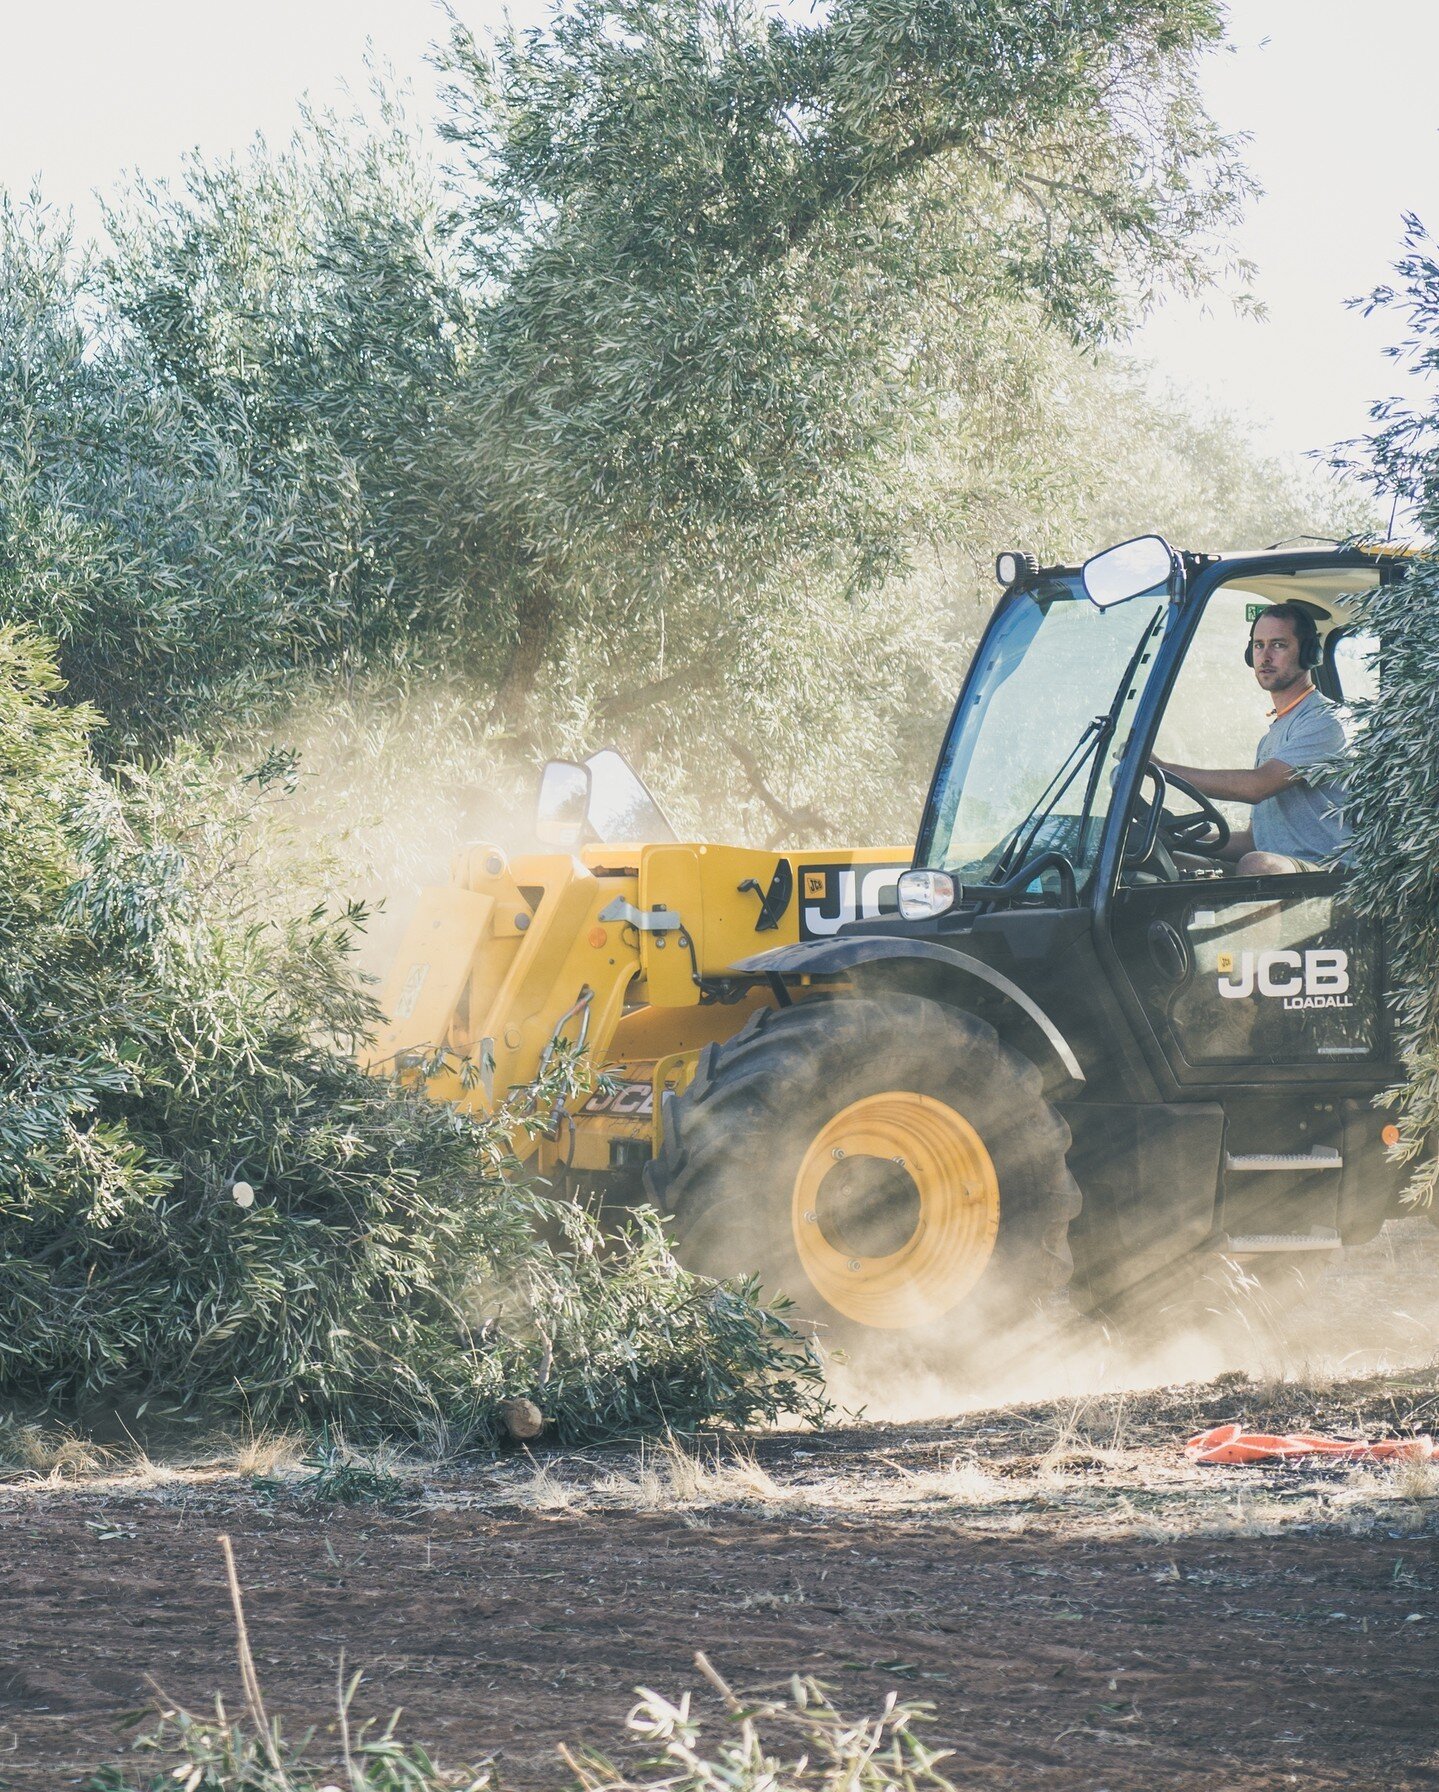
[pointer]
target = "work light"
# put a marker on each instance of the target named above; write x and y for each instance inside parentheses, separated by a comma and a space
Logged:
(1014, 568)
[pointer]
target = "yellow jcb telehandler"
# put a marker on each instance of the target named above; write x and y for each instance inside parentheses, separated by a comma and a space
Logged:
(1058, 1039)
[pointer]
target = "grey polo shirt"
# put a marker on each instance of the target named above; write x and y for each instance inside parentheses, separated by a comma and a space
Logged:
(1303, 820)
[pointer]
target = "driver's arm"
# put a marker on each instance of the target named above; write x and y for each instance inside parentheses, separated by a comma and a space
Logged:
(1237, 786)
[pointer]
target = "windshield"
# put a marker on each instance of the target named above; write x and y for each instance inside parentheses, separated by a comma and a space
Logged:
(1048, 707)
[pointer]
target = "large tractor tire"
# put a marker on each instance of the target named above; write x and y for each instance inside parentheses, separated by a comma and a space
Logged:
(887, 1163)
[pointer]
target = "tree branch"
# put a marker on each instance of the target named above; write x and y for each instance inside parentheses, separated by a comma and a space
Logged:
(796, 821)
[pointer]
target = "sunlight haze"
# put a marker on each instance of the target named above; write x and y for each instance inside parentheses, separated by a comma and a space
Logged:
(1343, 147)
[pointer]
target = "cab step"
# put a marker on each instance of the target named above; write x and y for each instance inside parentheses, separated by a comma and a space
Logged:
(1320, 1158)
(1318, 1238)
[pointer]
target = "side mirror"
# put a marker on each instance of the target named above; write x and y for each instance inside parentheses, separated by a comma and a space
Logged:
(620, 808)
(1127, 570)
(564, 804)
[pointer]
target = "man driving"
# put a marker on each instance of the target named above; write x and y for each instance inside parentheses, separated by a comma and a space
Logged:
(1297, 824)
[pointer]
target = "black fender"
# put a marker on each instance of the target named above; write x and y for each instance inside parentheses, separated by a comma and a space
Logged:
(876, 959)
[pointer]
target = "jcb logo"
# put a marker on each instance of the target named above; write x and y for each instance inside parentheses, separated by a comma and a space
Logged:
(1318, 978)
(634, 1099)
(834, 894)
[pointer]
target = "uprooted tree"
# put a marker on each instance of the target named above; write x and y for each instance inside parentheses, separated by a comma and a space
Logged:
(207, 1210)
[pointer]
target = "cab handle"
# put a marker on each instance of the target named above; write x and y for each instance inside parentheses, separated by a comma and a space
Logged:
(1167, 951)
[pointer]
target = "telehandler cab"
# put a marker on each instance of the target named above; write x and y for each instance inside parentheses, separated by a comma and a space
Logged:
(1058, 1042)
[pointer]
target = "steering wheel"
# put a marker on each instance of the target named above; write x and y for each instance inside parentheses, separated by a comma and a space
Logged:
(1190, 833)
(1159, 833)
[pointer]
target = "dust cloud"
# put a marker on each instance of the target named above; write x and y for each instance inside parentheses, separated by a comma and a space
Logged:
(392, 777)
(1372, 1310)
(389, 783)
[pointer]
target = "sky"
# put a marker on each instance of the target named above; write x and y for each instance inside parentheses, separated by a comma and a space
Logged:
(1337, 97)
(1343, 118)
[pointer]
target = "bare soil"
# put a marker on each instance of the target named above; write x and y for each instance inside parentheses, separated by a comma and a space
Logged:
(1081, 1606)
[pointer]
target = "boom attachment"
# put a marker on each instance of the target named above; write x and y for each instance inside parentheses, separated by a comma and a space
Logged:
(620, 952)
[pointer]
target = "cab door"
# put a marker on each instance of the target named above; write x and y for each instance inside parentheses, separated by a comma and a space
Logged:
(1245, 980)
(1254, 979)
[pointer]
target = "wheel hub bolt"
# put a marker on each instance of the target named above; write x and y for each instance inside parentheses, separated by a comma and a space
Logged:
(838, 1152)
(898, 1160)
(810, 1216)
(854, 1262)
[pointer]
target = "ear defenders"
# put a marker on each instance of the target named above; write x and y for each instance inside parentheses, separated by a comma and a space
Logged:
(1311, 649)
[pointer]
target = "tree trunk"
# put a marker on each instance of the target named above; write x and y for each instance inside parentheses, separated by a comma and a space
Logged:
(533, 632)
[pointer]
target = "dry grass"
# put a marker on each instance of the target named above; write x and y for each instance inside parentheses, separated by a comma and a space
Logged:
(265, 1452)
(51, 1453)
(1415, 1479)
(141, 1468)
(963, 1481)
(1070, 1472)
(544, 1491)
(668, 1477)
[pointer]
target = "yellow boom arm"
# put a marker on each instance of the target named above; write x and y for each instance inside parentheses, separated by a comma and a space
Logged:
(620, 951)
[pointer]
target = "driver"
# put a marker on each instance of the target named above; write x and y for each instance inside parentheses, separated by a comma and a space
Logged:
(1296, 824)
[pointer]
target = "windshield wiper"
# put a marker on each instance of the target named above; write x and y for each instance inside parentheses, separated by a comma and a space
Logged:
(1015, 853)
(1111, 722)
(1096, 735)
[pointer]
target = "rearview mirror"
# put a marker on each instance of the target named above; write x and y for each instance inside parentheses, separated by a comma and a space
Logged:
(620, 808)
(563, 804)
(1127, 570)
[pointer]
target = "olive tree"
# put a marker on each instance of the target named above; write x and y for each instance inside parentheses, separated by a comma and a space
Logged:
(661, 346)
(212, 471)
(1394, 775)
(738, 268)
(131, 532)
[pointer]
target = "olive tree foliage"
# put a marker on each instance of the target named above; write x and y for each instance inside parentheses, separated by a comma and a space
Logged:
(207, 1209)
(131, 533)
(210, 465)
(699, 282)
(303, 303)
(1393, 775)
(738, 267)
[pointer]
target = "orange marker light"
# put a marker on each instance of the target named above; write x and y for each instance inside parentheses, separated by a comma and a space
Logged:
(598, 937)
(1390, 1135)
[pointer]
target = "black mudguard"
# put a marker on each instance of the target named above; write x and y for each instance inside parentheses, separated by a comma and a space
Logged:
(861, 953)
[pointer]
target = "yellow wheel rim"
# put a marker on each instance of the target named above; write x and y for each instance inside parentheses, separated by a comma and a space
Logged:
(895, 1210)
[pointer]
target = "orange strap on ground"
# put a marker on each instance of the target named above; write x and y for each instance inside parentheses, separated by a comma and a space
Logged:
(1227, 1443)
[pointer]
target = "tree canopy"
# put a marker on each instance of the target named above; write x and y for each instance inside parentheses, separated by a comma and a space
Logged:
(698, 284)
(733, 265)
(1394, 777)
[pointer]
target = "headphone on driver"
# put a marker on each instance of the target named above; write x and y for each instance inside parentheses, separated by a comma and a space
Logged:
(1311, 648)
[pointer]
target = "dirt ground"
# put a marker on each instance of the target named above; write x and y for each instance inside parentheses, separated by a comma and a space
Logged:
(1081, 1606)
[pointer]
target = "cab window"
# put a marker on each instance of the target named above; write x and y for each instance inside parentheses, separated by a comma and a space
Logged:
(1356, 667)
(1216, 712)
